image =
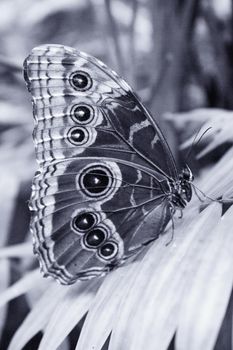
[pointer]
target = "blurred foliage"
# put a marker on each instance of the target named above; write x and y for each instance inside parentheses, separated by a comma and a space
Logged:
(176, 54)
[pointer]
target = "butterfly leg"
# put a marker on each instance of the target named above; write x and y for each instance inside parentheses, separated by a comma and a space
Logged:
(172, 212)
(181, 213)
(197, 194)
(221, 201)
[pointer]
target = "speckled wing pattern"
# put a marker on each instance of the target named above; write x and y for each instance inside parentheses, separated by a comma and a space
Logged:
(102, 189)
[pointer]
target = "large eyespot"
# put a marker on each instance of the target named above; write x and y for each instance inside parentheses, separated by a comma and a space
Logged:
(84, 221)
(81, 81)
(95, 237)
(108, 250)
(82, 114)
(78, 135)
(96, 181)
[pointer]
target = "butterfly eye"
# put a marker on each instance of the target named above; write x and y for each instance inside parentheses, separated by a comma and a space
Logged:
(95, 181)
(108, 250)
(81, 81)
(94, 238)
(84, 221)
(78, 136)
(82, 114)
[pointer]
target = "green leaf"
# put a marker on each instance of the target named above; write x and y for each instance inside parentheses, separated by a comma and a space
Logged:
(30, 280)
(208, 289)
(68, 313)
(39, 316)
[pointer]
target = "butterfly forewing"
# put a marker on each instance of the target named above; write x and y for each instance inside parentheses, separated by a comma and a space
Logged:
(102, 189)
(49, 71)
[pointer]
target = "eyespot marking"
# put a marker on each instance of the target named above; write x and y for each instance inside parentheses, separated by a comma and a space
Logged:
(96, 181)
(78, 135)
(84, 221)
(81, 81)
(82, 114)
(108, 250)
(95, 237)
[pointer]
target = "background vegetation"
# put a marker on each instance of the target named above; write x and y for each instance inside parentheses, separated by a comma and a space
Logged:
(177, 56)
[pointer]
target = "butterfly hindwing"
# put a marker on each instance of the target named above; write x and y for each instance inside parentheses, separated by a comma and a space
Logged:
(62, 199)
(102, 191)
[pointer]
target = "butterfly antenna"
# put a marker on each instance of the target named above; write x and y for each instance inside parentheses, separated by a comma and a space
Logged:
(194, 144)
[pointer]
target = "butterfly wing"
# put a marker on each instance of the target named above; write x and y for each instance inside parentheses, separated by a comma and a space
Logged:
(113, 110)
(101, 191)
(80, 233)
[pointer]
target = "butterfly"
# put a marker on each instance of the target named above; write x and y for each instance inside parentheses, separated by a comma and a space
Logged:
(107, 183)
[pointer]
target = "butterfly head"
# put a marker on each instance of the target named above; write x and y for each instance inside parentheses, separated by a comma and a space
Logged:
(186, 177)
(181, 189)
(186, 174)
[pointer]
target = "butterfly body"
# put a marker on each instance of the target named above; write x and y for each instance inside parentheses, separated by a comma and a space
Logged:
(107, 183)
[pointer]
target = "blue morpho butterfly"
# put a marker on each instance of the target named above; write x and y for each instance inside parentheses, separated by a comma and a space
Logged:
(107, 183)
